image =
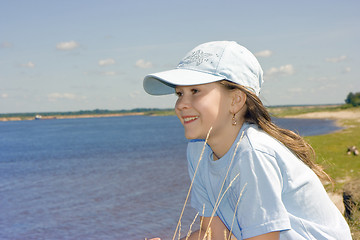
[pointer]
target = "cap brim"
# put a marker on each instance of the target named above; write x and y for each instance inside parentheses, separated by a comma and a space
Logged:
(164, 82)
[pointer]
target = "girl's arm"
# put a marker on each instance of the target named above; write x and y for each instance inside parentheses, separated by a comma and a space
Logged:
(217, 229)
(267, 236)
(220, 231)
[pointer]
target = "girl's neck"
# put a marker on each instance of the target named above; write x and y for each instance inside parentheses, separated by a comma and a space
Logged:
(221, 144)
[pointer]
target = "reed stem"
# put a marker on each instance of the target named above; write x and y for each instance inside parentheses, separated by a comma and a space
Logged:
(220, 196)
(191, 184)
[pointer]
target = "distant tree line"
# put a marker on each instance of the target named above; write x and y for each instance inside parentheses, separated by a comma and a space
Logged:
(353, 99)
(84, 112)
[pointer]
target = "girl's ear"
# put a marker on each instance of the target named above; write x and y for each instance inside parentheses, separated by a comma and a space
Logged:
(238, 100)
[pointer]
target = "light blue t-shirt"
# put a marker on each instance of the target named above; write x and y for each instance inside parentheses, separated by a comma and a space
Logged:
(277, 191)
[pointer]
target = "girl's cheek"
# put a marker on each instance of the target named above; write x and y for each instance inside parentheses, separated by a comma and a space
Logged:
(178, 114)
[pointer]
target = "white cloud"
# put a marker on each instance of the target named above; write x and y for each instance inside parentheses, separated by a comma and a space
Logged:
(328, 86)
(336, 59)
(101, 73)
(323, 80)
(134, 94)
(105, 62)
(296, 90)
(109, 73)
(56, 96)
(28, 65)
(284, 70)
(141, 63)
(347, 70)
(318, 79)
(4, 95)
(265, 53)
(67, 45)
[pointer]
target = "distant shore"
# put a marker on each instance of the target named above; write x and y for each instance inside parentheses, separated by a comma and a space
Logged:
(316, 111)
(338, 116)
(85, 114)
(4, 119)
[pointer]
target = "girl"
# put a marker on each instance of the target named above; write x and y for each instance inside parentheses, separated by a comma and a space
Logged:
(251, 178)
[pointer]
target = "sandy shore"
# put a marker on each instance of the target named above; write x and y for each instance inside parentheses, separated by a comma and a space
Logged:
(336, 115)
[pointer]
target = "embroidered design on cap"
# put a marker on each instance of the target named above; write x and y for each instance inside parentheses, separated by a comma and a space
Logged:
(198, 56)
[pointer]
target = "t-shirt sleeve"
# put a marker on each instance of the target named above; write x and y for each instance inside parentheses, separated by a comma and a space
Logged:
(260, 209)
(199, 197)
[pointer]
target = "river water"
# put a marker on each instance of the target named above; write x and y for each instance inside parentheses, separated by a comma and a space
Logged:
(99, 178)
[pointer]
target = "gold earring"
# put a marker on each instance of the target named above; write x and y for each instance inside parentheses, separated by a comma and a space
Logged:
(234, 120)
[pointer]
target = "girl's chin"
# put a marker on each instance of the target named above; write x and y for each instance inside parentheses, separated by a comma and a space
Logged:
(192, 137)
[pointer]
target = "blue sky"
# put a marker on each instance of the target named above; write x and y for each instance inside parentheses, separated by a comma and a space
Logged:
(82, 55)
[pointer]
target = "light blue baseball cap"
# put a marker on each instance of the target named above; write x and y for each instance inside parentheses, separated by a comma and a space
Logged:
(209, 62)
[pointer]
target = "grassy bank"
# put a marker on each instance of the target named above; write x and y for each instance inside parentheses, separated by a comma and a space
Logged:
(331, 149)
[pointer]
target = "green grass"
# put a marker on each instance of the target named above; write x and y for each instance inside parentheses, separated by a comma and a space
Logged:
(331, 150)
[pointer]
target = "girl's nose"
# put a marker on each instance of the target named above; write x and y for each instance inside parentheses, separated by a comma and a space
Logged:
(182, 103)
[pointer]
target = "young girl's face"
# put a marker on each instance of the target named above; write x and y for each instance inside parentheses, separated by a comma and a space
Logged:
(203, 106)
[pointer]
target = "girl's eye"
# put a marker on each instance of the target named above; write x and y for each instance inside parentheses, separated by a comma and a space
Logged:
(179, 94)
(194, 90)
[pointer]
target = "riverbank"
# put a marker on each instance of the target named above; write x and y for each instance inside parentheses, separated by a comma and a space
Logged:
(279, 111)
(348, 114)
(331, 151)
(85, 114)
(56, 116)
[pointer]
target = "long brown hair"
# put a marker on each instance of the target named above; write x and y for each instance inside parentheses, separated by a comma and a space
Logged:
(258, 114)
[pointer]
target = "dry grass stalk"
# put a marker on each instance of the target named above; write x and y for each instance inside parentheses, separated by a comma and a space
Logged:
(208, 234)
(179, 231)
(225, 234)
(237, 203)
(220, 196)
(189, 232)
(192, 182)
(218, 201)
(217, 205)
(201, 221)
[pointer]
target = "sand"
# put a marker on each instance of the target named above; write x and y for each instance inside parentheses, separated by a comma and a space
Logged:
(338, 115)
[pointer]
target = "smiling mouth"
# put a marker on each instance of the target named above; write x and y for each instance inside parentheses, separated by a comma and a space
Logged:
(189, 119)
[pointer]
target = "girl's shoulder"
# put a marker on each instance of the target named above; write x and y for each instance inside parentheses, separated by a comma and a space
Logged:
(255, 139)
